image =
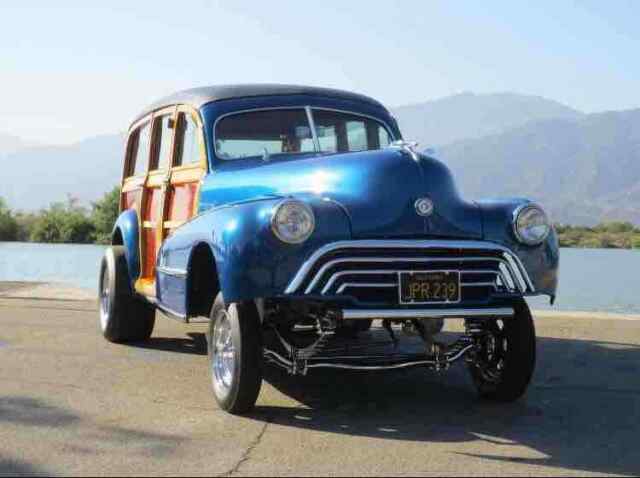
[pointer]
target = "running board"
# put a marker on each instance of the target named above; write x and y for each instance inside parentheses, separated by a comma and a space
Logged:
(488, 313)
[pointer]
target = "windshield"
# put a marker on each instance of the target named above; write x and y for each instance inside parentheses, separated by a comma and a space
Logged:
(259, 133)
(263, 133)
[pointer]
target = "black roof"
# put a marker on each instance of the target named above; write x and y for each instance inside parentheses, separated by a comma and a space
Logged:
(198, 97)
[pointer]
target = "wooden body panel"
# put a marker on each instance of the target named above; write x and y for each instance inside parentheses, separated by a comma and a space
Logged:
(163, 199)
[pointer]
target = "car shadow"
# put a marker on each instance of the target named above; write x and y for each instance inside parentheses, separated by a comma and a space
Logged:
(194, 344)
(582, 411)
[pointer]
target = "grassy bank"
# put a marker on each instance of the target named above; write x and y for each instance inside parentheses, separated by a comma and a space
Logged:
(612, 235)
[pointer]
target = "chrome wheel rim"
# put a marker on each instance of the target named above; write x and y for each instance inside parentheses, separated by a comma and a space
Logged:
(224, 357)
(105, 292)
(493, 357)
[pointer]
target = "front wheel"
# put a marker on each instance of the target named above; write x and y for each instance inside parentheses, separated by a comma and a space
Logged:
(235, 355)
(506, 359)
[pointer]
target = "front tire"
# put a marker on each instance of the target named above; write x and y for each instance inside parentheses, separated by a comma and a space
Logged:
(504, 366)
(235, 355)
(123, 316)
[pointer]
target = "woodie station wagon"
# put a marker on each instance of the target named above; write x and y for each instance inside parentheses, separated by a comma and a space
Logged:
(291, 217)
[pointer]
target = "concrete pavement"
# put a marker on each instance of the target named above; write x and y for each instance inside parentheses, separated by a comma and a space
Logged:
(73, 404)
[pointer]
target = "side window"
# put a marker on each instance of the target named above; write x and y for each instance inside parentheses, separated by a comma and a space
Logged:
(383, 137)
(163, 135)
(356, 136)
(140, 141)
(187, 141)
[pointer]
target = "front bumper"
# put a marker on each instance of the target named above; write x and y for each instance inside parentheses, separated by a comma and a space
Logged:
(404, 314)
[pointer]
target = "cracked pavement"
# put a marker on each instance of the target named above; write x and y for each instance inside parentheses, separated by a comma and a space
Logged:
(73, 404)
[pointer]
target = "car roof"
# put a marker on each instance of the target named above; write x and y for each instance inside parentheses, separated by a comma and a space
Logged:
(197, 97)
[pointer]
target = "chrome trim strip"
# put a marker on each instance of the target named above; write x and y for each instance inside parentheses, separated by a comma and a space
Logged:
(479, 284)
(363, 284)
(172, 271)
(427, 259)
(503, 312)
(335, 276)
(523, 277)
(312, 124)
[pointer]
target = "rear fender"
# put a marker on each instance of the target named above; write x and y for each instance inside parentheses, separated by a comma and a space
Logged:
(126, 228)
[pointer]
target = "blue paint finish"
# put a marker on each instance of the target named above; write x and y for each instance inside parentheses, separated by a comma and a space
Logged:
(251, 261)
(369, 194)
(541, 261)
(127, 224)
(3, 344)
(172, 292)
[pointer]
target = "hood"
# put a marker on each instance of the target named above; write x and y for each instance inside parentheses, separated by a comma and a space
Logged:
(376, 189)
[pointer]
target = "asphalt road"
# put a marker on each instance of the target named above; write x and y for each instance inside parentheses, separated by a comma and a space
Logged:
(73, 404)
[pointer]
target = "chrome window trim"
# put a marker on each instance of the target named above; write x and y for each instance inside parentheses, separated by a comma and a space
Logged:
(314, 132)
(308, 109)
(510, 256)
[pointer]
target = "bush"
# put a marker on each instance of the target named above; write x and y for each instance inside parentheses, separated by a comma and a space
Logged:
(104, 215)
(63, 223)
(8, 224)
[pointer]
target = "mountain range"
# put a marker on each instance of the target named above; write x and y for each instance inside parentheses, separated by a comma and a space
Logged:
(584, 168)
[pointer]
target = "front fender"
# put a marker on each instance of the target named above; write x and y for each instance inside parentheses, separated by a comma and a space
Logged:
(541, 262)
(251, 262)
(127, 226)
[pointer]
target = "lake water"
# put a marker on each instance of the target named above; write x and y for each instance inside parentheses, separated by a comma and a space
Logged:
(605, 280)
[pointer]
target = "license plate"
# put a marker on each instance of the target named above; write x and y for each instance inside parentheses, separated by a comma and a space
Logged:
(429, 287)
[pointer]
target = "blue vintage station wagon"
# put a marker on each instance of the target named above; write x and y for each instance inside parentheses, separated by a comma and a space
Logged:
(292, 217)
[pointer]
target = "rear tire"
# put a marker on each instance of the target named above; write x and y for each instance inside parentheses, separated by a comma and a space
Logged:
(123, 316)
(235, 355)
(503, 370)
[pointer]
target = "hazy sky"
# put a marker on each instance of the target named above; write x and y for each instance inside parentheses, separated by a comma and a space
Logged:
(70, 69)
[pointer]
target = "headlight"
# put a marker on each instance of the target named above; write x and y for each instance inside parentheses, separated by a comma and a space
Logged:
(292, 221)
(531, 224)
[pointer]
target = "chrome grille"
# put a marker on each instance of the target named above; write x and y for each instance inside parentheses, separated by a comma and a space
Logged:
(348, 267)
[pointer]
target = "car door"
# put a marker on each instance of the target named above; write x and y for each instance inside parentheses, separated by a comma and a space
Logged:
(187, 171)
(181, 200)
(154, 196)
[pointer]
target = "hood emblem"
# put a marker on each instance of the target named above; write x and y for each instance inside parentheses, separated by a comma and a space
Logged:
(424, 206)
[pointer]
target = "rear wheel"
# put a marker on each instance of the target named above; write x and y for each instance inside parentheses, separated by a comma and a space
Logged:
(235, 355)
(123, 316)
(505, 363)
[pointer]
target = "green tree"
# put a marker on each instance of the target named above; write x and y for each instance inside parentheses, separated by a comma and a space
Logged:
(63, 223)
(8, 224)
(104, 215)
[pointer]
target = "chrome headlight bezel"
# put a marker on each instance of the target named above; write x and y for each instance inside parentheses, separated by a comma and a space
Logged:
(521, 214)
(302, 208)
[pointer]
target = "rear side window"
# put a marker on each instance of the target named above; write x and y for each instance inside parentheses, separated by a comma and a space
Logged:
(187, 141)
(164, 136)
(344, 132)
(140, 142)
